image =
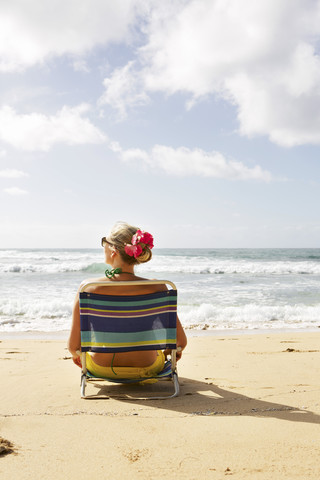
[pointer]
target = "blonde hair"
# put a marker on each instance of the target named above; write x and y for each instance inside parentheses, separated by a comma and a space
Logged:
(120, 235)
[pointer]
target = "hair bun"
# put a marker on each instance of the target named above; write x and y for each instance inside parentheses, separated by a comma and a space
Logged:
(145, 256)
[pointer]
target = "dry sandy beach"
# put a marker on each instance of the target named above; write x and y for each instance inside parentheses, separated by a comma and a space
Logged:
(249, 408)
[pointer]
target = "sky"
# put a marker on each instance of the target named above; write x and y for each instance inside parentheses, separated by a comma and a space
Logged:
(196, 120)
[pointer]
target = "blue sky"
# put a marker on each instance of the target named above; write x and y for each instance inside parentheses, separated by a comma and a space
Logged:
(198, 121)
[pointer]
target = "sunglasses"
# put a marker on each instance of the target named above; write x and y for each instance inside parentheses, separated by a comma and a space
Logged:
(105, 242)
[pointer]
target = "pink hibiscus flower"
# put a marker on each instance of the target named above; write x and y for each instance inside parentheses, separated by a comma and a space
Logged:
(147, 239)
(133, 250)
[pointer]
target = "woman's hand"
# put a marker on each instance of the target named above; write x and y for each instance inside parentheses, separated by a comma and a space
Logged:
(168, 352)
(77, 361)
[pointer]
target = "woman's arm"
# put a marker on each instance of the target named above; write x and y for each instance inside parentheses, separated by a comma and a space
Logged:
(181, 339)
(74, 341)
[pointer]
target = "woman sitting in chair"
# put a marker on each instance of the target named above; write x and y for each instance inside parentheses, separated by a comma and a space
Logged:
(125, 247)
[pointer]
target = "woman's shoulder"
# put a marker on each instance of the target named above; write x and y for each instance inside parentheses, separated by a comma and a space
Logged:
(157, 287)
(92, 280)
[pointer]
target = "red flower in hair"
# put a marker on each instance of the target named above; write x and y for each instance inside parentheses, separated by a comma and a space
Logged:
(147, 239)
(139, 240)
(133, 250)
(136, 238)
(142, 237)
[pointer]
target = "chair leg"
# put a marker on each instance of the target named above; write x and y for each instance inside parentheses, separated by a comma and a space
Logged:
(83, 385)
(176, 384)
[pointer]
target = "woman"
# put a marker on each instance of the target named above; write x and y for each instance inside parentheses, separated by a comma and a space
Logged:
(125, 247)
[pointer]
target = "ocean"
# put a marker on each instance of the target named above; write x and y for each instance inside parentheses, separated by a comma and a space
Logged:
(218, 289)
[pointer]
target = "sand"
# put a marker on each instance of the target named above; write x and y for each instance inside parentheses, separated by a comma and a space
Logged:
(249, 408)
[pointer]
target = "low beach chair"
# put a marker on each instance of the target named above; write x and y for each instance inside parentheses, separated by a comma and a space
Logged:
(113, 323)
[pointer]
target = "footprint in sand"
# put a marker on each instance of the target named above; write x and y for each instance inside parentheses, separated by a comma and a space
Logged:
(135, 455)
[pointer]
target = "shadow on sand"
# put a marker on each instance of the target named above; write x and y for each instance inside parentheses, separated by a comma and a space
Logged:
(202, 399)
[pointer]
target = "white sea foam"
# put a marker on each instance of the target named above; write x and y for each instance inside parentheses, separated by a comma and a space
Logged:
(250, 316)
(43, 315)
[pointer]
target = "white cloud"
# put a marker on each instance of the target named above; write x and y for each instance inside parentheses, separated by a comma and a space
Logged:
(124, 90)
(32, 31)
(260, 56)
(36, 131)
(186, 162)
(15, 191)
(11, 173)
(80, 65)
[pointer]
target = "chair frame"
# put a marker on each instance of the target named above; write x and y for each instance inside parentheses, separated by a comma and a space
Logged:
(174, 373)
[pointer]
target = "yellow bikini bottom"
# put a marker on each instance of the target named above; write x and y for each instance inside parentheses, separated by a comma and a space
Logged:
(127, 372)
